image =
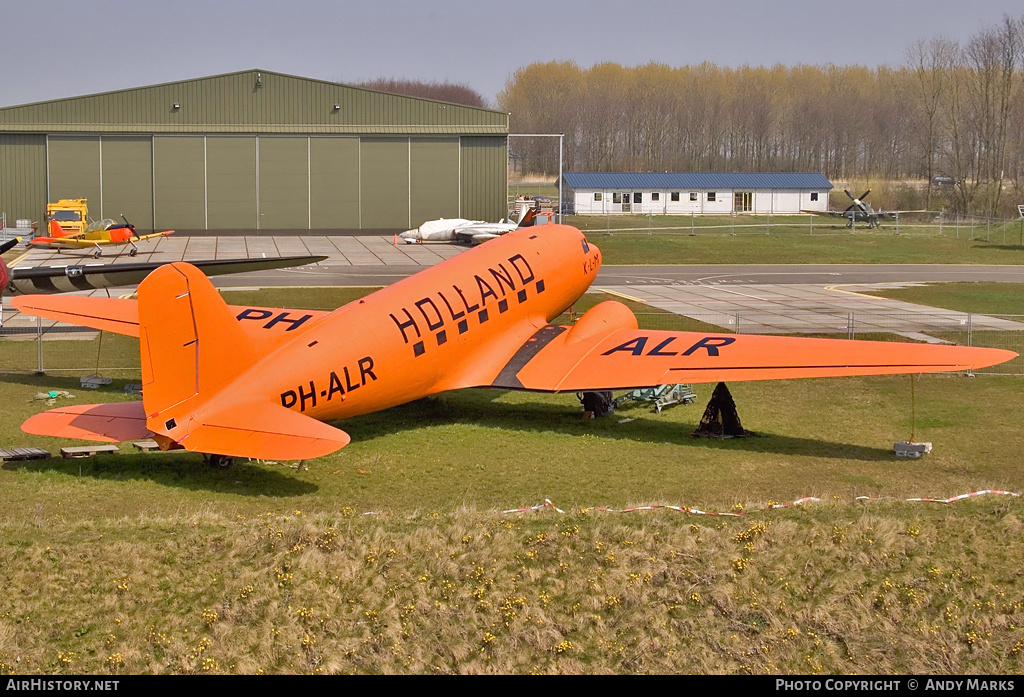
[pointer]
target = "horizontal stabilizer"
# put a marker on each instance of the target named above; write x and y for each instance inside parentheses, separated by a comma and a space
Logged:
(107, 423)
(262, 430)
(106, 314)
(121, 316)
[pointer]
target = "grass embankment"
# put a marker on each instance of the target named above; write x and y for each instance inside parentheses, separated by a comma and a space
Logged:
(876, 588)
(157, 563)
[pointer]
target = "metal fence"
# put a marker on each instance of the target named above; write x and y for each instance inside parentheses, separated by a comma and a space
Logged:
(995, 230)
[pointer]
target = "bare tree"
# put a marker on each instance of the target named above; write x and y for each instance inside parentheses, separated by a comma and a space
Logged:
(993, 58)
(931, 64)
(440, 91)
(949, 110)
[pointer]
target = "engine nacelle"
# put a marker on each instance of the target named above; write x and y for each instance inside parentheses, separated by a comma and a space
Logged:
(600, 319)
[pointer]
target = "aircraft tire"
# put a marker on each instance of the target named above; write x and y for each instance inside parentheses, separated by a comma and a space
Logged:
(221, 461)
(133, 252)
(598, 403)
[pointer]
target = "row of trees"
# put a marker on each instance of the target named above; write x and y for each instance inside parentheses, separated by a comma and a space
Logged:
(457, 93)
(952, 110)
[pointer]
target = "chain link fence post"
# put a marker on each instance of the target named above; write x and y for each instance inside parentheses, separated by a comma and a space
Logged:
(39, 345)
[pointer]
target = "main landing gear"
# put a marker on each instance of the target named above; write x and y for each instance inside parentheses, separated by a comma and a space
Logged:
(220, 461)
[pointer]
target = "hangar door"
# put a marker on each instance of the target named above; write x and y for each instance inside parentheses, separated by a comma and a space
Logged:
(433, 179)
(283, 182)
(406, 181)
(179, 178)
(115, 174)
(345, 182)
(333, 182)
(217, 182)
(231, 183)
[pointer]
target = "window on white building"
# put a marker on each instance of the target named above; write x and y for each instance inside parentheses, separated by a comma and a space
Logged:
(674, 197)
(693, 195)
(597, 195)
(712, 196)
(814, 195)
(616, 197)
(655, 196)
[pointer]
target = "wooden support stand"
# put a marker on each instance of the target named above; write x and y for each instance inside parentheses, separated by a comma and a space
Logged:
(86, 451)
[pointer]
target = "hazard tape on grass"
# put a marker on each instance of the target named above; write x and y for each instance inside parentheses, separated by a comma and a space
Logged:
(739, 514)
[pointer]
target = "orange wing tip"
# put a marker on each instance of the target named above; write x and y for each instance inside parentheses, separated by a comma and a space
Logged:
(992, 357)
(106, 423)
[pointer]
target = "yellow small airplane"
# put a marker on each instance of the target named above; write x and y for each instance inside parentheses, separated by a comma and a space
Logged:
(96, 235)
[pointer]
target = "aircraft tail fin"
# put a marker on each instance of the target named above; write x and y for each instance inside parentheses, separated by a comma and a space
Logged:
(193, 348)
(529, 217)
(189, 340)
(56, 231)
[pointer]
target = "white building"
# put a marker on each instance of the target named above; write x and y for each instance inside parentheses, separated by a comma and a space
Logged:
(698, 193)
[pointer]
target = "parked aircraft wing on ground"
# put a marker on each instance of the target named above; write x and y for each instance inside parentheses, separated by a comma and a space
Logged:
(92, 276)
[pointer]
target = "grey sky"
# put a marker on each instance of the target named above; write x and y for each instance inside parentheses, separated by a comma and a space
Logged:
(61, 48)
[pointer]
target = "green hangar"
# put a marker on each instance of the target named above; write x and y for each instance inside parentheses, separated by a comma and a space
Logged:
(256, 150)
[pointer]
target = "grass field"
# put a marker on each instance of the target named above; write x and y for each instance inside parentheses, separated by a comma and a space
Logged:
(744, 240)
(986, 298)
(392, 555)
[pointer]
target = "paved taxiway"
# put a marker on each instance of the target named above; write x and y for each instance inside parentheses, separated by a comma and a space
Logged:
(763, 298)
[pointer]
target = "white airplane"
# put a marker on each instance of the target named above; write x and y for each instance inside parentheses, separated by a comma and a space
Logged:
(462, 230)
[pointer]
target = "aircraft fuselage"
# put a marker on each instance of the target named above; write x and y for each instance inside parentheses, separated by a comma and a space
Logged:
(424, 334)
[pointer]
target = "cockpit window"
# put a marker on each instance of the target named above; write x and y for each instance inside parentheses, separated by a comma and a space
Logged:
(586, 247)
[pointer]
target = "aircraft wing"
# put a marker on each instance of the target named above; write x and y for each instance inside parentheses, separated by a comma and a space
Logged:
(121, 316)
(477, 234)
(150, 236)
(553, 360)
(91, 276)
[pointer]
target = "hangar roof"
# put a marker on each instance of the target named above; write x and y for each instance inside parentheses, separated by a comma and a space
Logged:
(252, 101)
(697, 180)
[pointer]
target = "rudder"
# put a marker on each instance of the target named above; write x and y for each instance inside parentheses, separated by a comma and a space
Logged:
(189, 340)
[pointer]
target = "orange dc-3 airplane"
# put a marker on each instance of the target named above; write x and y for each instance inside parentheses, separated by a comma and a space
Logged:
(97, 235)
(259, 383)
